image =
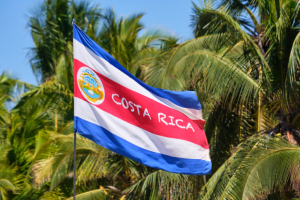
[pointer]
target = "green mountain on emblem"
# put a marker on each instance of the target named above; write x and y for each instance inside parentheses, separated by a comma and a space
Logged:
(92, 88)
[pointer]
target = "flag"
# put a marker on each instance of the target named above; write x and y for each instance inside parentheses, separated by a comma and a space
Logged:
(159, 128)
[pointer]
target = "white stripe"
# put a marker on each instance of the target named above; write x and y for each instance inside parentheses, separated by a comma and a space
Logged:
(193, 114)
(89, 58)
(138, 136)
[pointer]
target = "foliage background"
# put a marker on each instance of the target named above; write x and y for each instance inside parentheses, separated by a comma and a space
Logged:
(243, 62)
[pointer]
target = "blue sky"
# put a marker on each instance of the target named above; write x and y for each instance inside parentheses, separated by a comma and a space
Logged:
(172, 16)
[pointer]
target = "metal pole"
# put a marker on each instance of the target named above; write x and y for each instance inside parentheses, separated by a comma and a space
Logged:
(74, 176)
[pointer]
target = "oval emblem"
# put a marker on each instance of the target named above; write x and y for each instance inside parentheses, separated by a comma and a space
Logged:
(90, 85)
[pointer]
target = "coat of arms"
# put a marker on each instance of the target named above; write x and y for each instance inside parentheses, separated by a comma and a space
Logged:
(90, 85)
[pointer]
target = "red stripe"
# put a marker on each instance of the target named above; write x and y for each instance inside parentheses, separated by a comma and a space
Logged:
(154, 108)
(199, 123)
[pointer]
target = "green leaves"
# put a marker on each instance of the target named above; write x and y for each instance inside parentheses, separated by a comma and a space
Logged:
(91, 195)
(8, 182)
(243, 64)
(51, 30)
(211, 61)
(259, 165)
(159, 184)
(122, 38)
(249, 79)
(293, 64)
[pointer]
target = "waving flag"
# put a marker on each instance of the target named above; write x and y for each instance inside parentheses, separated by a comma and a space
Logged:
(159, 128)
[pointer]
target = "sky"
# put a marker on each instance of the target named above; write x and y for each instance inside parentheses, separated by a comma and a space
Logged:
(171, 16)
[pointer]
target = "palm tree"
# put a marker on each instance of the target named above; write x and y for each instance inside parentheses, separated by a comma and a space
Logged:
(7, 174)
(9, 180)
(51, 30)
(120, 37)
(243, 63)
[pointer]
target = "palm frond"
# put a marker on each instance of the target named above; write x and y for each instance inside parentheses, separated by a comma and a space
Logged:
(91, 195)
(158, 184)
(260, 165)
(209, 57)
(293, 64)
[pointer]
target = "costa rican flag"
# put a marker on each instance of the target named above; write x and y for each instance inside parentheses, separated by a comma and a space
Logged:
(159, 128)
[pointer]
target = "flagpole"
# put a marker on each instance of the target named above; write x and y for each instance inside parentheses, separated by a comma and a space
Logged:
(74, 175)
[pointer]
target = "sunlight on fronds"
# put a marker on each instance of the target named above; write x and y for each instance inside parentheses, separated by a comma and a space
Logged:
(210, 57)
(259, 164)
(91, 195)
(90, 155)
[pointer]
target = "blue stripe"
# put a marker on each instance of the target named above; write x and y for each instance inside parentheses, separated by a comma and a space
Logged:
(116, 144)
(185, 99)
